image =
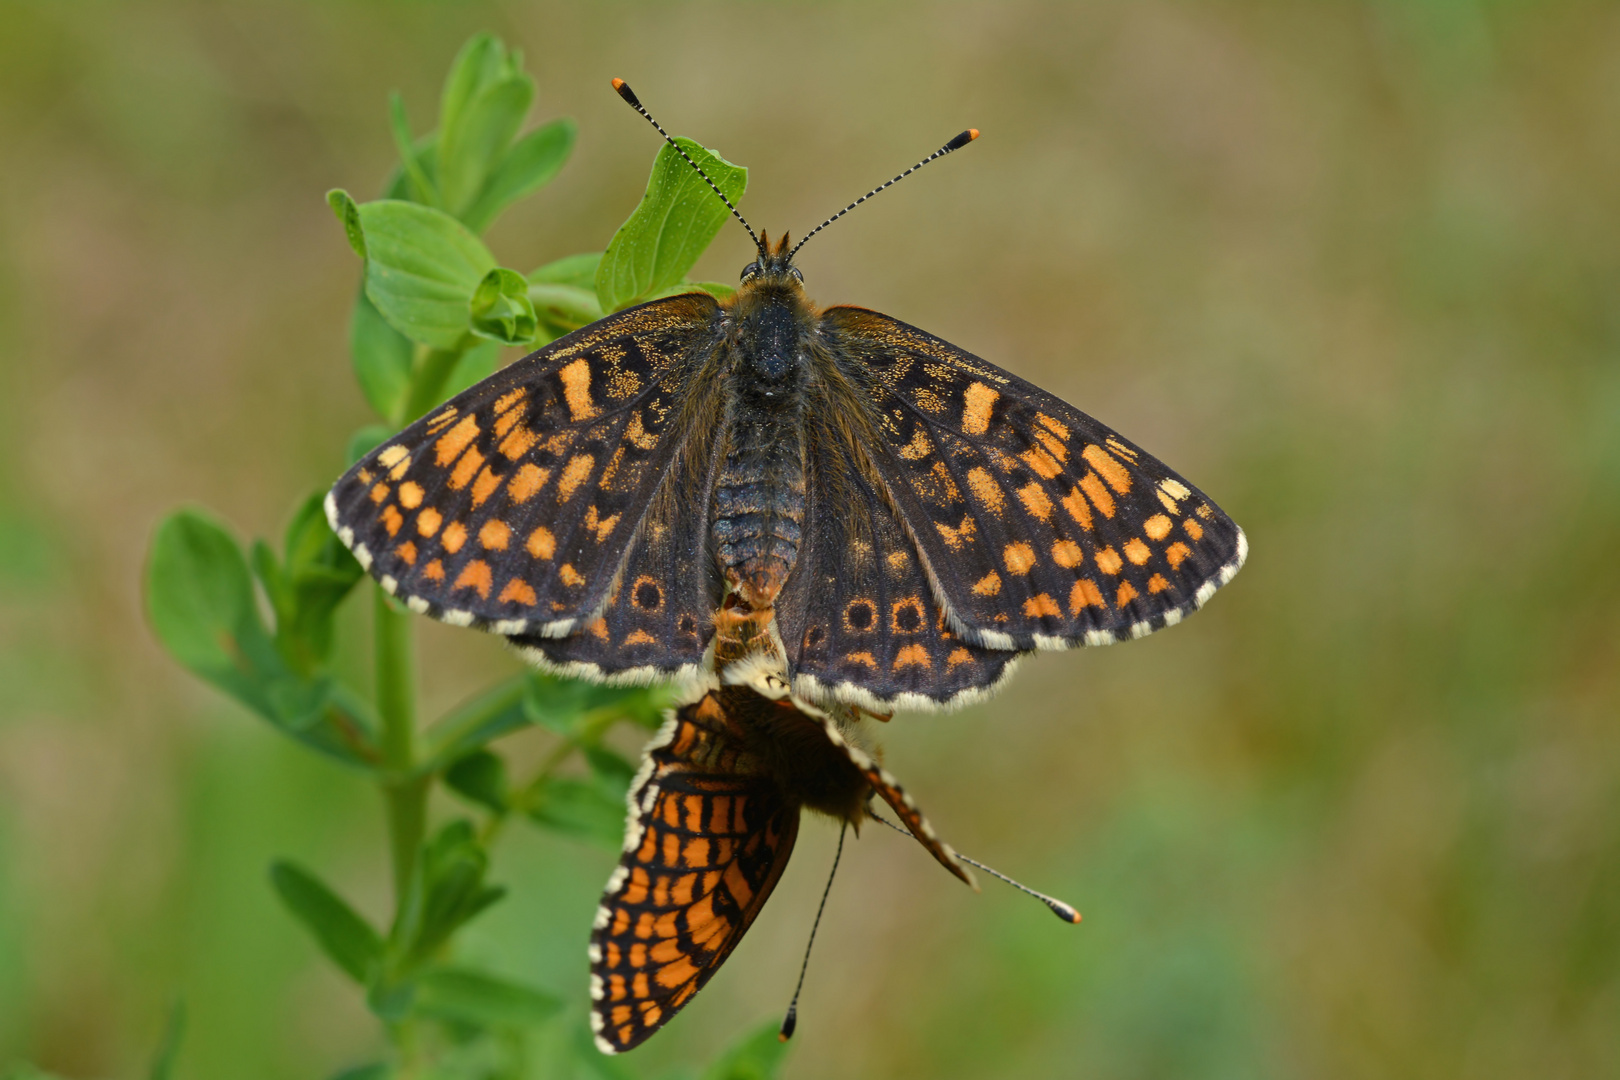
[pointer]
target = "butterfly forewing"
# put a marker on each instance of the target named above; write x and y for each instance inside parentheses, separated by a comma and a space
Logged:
(1041, 526)
(512, 506)
(707, 840)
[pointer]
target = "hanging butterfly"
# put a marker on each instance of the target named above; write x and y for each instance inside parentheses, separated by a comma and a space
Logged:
(713, 815)
(916, 516)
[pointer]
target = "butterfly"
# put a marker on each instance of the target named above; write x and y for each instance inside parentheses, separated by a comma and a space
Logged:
(915, 517)
(713, 816)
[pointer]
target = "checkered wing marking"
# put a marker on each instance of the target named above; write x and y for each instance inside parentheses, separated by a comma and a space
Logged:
(512, 506)
(858, 617)
(1042, 526)
(659, 614)
(706, 842)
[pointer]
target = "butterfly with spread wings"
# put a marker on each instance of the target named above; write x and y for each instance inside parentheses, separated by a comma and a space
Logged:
(915, 516)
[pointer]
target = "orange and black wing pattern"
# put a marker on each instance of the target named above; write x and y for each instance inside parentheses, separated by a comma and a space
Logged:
(513, 506)
(1041, 527)
(707, 839)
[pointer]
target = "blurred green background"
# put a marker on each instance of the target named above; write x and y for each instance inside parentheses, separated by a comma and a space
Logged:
(1353, 268)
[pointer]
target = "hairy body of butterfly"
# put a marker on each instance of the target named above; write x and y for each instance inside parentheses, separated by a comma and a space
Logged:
(713, 816)
(914, 516)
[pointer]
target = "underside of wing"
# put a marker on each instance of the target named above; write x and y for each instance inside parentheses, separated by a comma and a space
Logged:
(512, 506)
(1041, 527)
(706, 841)
(858, 617)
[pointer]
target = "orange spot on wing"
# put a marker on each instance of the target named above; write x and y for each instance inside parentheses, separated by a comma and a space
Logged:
(912, 656)
(955, 537)
(1067, 553)
(635, 891)
(392, 520)
(541, 543)
(1084, 594)
(986, 490)
(640, 637)
(1157, 584)
(434, 571)
(1109, 562)
(696, 854)
(676, 973)
(410, 495)
(988, 585)
(1175, 553)
(1075, 503)
(1157, 527)
(1042, 462)
(1194, 530)
(495, 534)
(576, 381)
(520, 591)
(977, 401)
(1137, 552)
(455, 534)
(1041, 604)
(454, 441)
(406, 553)
(574, 473)
(600, 526)
(428, 522)
(1019, 557)
(1118, 477)
(958, 656)
(1098, 494)
(1127, 593)
(466, 468)
(569, 575)
(475, 575)
(484, 486)
(1035, 500)
(741, 891)
(379, 493)
(862, 657)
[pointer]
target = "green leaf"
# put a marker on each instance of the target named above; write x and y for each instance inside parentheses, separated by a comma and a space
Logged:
(592, 809)
(348, 215)
(422, 269)
(168, 1049)
(481, 777)
(677, 218)
(343, 935)
(473, 366)
(561, 309)
(613, 769)
(479, 62)
(576, 270)
(472, 997)
(500, 309)
(448, 890)
(563, 705)
(756, 1056)
(376, 1071)
(528, 164)
(494, 713)
(419, 185)
(716, 289)
(471, 149)
(318, 573)
(382, 358)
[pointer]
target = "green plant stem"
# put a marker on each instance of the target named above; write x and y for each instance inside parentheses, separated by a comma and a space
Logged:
(432, 373)
(591, 728)
(404, 792)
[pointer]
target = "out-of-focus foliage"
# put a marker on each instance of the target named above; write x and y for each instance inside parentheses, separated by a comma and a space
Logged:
(1350, 266)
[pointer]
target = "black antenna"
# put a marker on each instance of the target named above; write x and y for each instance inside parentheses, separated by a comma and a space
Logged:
(629, 96)
(955, 144)
(1063, 911)
(791, 1020)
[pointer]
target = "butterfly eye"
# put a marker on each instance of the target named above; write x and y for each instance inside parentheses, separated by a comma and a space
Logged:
(794, 270)
(750, 270)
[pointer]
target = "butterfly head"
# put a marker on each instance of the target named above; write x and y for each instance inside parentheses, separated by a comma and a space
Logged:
(774, 265)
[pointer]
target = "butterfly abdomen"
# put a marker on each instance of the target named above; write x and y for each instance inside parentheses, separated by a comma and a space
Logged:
(759, 495)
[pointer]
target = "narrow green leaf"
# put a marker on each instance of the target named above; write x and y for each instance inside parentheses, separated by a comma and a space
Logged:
(421, 186)
(494, 713)
(168, 1049)
(529, 163)
(382, 359)
(481, 777)
(613, 769)
(422, 270)
(472, 997)
(447, 892)
(479, 62)
(471, 149)
(500, 308)
(348, 215)
(576, 270)
(677, 218)
(318, 573)
(343, 935)
(756, 1056)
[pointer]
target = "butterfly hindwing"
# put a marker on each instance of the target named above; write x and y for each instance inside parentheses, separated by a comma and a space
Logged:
(659, 614)
(511, 507)
(858, 618)
(707, 839)
(1041, 526)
